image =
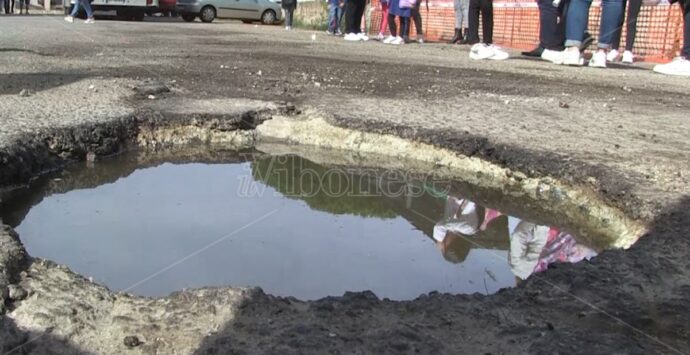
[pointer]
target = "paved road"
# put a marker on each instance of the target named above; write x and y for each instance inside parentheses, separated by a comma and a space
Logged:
(621, 131)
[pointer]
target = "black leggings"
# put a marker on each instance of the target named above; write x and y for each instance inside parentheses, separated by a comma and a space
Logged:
(417, 18)
(633, 10)
(353, 15)
(486, 7)
(393, 27)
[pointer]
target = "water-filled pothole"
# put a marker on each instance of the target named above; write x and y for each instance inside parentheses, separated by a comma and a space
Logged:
(284, 223)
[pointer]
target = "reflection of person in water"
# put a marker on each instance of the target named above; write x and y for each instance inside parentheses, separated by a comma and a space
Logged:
(464, 221)
(534, 247)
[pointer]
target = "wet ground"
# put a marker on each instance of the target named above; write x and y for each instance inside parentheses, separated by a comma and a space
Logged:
(620, 133)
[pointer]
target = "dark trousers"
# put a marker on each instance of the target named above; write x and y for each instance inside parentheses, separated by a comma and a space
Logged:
(9, 6)
(551, 25)
(685, 52)
(289, 15)
(353, 15)
(417, 18)
(486, 7)
(633, 10)
(393, 27)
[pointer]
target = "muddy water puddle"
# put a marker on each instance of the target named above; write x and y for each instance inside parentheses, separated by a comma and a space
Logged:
(284, 223)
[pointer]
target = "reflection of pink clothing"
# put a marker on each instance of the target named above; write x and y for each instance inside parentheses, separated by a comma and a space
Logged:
(562, 247)
(384, 21)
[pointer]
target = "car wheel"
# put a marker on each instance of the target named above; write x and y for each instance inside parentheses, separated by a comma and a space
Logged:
(189, 17)
(207, 14)
(268, 17)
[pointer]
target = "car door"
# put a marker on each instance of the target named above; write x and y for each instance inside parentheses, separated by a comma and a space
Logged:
(242, 9)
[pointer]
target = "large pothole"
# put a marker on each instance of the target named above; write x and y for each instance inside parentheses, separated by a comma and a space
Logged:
(304, 222)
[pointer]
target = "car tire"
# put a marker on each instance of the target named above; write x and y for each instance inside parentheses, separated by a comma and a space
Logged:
(207, 14)
(188, 17)
(268, 17)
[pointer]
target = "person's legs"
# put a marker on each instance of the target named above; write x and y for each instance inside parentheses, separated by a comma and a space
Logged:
(417, 17)
(75, 9)
(331, 18)
(576, 22)
(487, 9)
(633, 11)
(473, 22)
(551, 31)
(384, 18)
(359, 6)
(616, 35)
(405, 27)
(611, 12)
(392, 26)
(350, 17)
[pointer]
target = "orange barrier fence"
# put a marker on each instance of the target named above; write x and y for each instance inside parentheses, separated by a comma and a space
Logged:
(516, 25)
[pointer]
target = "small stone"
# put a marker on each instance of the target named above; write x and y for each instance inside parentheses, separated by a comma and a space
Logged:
(259, 73)
(562, 104)
(152, 97)
(25, 93)
(550, 326)
(317, 84)
(132, 341)
(91, 87)
(332, 335)
(627, 89)
(17, 293)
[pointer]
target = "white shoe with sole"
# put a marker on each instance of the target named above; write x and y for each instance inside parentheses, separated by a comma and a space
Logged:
(363, 36)
(679, 66)
(481, 51)
(573, 57)
(598, 59)
(555, 57)
(499, 54)
(89, 21)
(352, 37)
(612, 55)
(628, 57)
(398, 41)
(69, 19)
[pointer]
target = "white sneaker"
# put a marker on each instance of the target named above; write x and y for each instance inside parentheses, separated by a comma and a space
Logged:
(679, 66)
(572, 56)
(612, 56)
(499, 54)
(69, 19)
(287, 28)
(388, 40)
(481, 51)
(89, 21)
(380, 37)
(628, 57)
(353, 37)
(598, 59)
(398, 41)
(363, 36)
(555, 57)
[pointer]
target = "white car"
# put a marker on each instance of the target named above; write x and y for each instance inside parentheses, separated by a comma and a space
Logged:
(266, 11)
(131, 9)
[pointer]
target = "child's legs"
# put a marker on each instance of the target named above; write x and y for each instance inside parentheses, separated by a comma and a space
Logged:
(459, 12)
(576, 22)
(487, 8)
(331, 17)
(392, 27)
(417, 17)
(633, 10)
(384, 18)
(405, 26)
(612, 12)
(473, 21)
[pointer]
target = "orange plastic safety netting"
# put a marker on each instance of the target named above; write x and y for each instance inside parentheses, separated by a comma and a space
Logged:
(516, 25)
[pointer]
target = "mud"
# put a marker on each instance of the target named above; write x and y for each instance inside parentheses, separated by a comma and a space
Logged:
(630, 152)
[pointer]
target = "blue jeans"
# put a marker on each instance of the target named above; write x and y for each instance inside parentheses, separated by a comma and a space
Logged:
(87, 7)
(578, 17)
(335, 13)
